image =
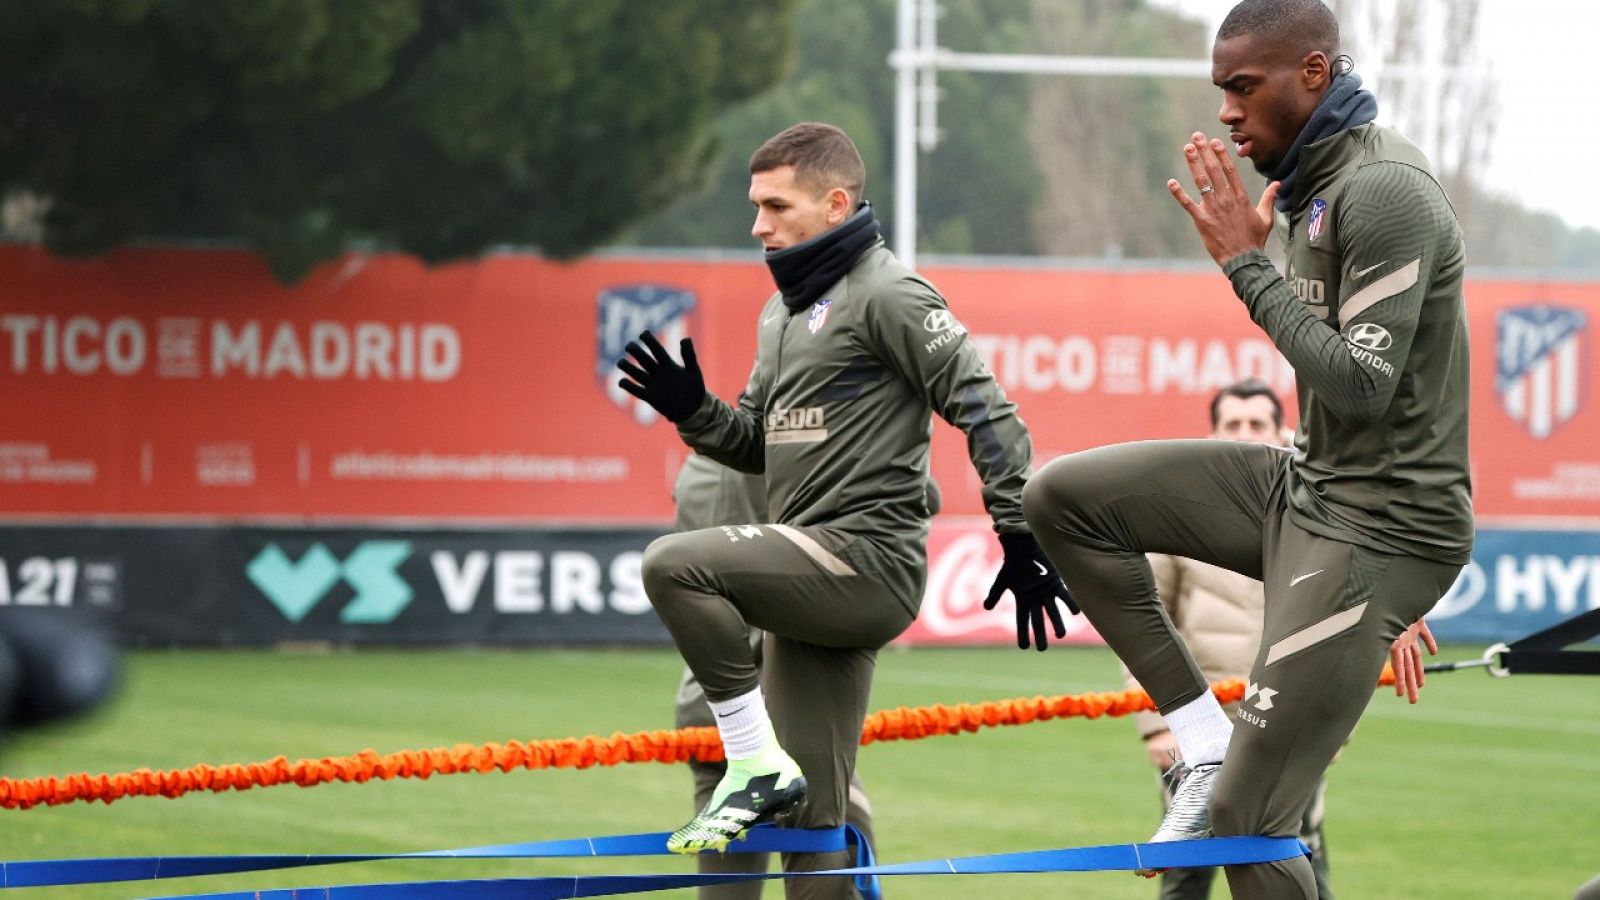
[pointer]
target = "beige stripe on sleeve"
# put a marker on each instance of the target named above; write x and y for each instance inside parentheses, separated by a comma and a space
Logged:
(1396, 282)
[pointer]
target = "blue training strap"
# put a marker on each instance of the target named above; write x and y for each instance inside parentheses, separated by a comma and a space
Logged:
(1176, 854)
(762, 839)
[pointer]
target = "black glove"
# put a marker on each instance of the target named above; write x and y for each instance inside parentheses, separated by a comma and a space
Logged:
(1035, 587)
(674, 391)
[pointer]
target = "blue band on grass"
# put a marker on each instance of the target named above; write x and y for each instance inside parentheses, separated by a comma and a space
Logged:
(1176, 854)
(762, 839)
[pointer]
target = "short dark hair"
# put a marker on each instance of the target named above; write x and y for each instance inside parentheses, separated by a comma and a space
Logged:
(1297, 26)
(1244, 390)
(823, 157)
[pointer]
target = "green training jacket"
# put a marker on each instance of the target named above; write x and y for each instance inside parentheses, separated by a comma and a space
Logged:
(837, 416)
(1371, 316)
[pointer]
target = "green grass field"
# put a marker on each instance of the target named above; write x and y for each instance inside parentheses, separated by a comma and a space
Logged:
(1487, 789)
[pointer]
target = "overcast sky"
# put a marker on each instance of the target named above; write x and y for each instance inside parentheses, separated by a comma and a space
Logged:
(1542, 54)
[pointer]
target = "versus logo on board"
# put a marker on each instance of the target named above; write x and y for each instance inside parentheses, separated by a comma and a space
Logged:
(621, 314)
(1539, 365)
(508, 581)
(295, 588)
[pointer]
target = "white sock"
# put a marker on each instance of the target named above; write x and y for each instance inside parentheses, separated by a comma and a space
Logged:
(743, 724)
(1202, 730)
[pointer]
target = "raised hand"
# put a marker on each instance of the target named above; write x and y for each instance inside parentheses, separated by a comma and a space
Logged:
(672, 390)
(1228, 223)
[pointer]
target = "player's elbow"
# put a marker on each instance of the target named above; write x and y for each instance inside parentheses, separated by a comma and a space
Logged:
(1362, 402)
(750, 463)
(1362, 411)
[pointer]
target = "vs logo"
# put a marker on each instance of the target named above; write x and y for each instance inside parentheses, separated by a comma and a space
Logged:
(1261, 694)
(295, 588)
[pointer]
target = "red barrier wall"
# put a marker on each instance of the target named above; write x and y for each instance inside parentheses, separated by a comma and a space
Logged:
(188, 382)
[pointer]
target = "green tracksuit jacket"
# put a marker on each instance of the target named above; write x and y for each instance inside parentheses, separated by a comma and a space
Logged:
(836, 415)
(1371, 315)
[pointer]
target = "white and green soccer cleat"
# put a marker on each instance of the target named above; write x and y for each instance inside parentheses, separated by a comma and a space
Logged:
(753, 791)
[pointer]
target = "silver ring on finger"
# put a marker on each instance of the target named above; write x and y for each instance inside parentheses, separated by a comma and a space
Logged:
(1206, 189)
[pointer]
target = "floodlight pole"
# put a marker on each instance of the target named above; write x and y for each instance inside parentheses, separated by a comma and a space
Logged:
(905, 126)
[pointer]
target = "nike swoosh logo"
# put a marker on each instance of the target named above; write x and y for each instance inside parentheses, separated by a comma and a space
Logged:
(1360, 272)
(1042, 569)
(734, 713)
(1299, 578)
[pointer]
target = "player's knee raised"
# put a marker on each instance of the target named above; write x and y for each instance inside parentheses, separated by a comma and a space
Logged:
(1050, 489)
(665, 556)
(1231, 817)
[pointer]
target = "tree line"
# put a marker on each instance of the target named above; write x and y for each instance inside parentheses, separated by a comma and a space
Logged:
(443, 128)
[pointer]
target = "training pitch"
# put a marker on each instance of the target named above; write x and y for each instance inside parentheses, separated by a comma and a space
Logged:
(1486, 789)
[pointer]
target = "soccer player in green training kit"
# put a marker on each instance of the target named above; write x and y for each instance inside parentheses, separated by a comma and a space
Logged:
(707, 494)
(1357, 532)
(853, 353)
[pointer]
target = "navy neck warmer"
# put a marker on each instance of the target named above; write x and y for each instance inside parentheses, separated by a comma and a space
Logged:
(1343, 107)
(805, 271)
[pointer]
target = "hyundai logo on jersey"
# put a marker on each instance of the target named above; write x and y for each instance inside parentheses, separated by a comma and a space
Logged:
(1371, 336)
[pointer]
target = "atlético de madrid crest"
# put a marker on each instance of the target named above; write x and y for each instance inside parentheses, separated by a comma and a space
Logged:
(1319, 212)
(819, 315)
(1538, 356)
(621, 312)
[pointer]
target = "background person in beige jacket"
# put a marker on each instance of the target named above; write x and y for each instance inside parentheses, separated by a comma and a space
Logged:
(1219, 614)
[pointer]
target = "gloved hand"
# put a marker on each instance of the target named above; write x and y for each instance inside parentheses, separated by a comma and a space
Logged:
(672, 390)
(1035, 587)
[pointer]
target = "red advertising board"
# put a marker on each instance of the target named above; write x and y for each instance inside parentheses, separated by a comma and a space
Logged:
(189, 383)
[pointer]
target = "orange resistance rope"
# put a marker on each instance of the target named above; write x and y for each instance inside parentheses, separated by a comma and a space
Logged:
(903, 723)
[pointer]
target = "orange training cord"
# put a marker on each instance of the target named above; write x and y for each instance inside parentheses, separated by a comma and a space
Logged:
(903, 723)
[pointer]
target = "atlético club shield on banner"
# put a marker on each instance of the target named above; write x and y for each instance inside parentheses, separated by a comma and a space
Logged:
(621, 313)
(1539, 363)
